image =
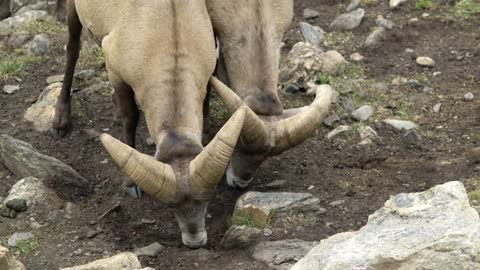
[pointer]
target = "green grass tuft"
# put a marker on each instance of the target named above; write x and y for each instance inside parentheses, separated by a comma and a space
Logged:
(467, 8)
(424, 4)
(25, 248)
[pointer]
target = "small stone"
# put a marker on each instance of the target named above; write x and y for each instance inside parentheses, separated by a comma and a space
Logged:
(397, 81)
(333, 63)
(92, 234)
(292, 89)
(425, 15)
(310, 13)
(312, 34)
(151, 250)
(54, 79)
(375, 38)
(310, 187)
(348, 21)
(276, 184)
(337, 131)
(409, 51)
(363, 113)
(356, 57)
(380, 86)
(396, 3)
(7, 212)
(19, 237)
(400, 124)
(331, 119)
(336, 203)
(473, 155)
(413, 20)
(267, 232)
(85, 74)
(411, 136)
(366, 132)
(382, 22)
(148, 221)
(353, 5)
(437, 73)
(414, 84)
(425, 61)
(427, 90)
(10, 89)
(39, 45)
(437, 107)
(239, 237)
(18, 205)
(468, 96)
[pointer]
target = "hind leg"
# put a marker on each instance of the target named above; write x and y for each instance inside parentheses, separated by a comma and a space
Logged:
(61, 10)
(61, 120)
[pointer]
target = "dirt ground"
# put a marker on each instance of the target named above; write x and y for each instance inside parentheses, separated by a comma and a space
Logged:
(363, 176)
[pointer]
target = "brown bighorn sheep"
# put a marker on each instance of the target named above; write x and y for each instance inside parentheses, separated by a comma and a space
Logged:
(250, 35)
(160, 53)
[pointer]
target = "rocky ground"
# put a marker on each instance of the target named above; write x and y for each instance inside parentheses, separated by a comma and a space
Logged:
(405, 120)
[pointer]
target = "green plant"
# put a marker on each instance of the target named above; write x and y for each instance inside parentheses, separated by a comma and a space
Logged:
(24, 248)
(467, 8)
(424, 4)
(322, 79)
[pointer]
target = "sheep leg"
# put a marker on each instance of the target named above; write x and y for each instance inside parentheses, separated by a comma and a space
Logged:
(61, 120)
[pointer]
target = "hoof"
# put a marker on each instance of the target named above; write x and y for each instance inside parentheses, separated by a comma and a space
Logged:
(135, 192)
(61, 120)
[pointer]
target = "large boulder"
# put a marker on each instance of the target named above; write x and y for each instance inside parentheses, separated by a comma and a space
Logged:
(123, 261)
(11, 23)
(436, 229)
(23, 160)
(42, 112)
(37, 196)
(305, 61)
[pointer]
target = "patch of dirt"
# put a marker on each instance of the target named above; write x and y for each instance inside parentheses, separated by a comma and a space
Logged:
(362, 176)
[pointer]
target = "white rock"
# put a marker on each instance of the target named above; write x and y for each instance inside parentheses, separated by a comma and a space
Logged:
(16, 238)
(36, 194)
(363, 113)
(282, 254)
(436, 229)
(240, 237)
(396, 3)
(10, 89)
(337, 131)
(353, 5)
(123, 261)
(400, 125)
(382, 22)
(348, 21)
(9, 24)
(333, 63)
(356, 57)
(425, 61)
(375, 38)
(366, 132)
(150, 251)
(468, 96)
(437, 107)
(42, 112)
(310, 13)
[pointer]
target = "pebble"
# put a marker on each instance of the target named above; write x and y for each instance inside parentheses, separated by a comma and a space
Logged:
(353, 5)
(10, 89)
(363, 113)
(267, 232)
(373, 40)
(19, 237)
(356, 57)
(18, 205)
(276, 184)
(331, 119)
(7, 212)
(147, 221)
(468, 96)
(414, 84)
(427, 90)
(312, 34)
(348, 21)
(151, 250)
(437, 73)
(310, 13)
(400, 124)
(336, 203)
(337, 131)
(39, 45)
(413, 20)
(292, 89)
(382, 22)
(437, 107)
(425, 61)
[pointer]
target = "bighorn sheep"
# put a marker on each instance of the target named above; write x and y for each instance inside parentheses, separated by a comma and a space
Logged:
(4, 9)
(250, 36)
(160, 53)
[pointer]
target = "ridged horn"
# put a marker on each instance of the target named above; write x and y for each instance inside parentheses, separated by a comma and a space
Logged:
(254, 131)
(207, 169)
(294, 130)
(154, 177)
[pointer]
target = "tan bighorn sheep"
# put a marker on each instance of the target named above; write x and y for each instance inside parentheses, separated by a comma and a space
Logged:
(250, 33)
(160, 53)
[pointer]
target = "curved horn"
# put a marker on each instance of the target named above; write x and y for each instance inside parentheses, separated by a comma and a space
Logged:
(254, 131)
(294, 130)
(207, 169)
(154, 177)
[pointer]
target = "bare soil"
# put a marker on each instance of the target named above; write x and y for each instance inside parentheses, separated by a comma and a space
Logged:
(363, 176)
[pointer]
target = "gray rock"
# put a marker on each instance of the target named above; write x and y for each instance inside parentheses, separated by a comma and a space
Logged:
(411, 136)
(17, 40)
(347, 104)
(382, 22)
(427, 90)
(260, 206)
(348, 21)
(23, 160)
(42, 112)
(276, 184)
(375, 38)
(363, 113)
(331, 119)
(312, 34)
(151, 250)
(366, 132)
(416, 84)
(39, 45)
(267, 232)
(123, 261)
(9, 262)
(301, 65)
(282, 254)
(380, 86)
(436, 229)
(337, 131)
(40, 5)
(55, 79)
(333, 63)
(19, 205)
(399, 125)
(310, 13)
(396, 3)
(437, 107)
(356, 57)
(85, 74)
(425, 61)
(240, 237)
(35, 194)
(353, 5)
(7, 212)
(9, 24)
(10, 89)
(468, 96)
(19, 237)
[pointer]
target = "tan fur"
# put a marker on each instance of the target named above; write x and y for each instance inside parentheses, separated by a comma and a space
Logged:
(250, 34)
(165, 54)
